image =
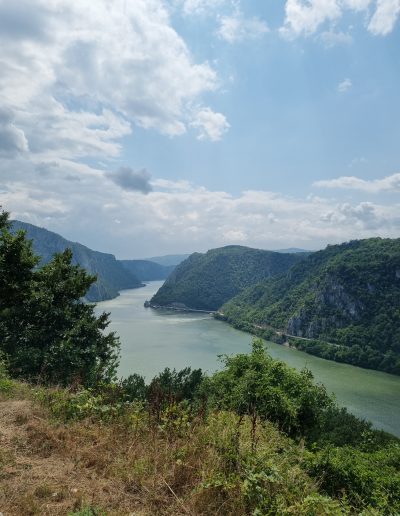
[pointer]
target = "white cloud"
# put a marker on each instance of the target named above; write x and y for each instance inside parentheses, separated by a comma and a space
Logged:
(364, 216)
(236, 27)
(305, 17)
(387, 184)
(344, 85)
(331, 38)
(78, 75)
(12, 139)
(385, 17)
(212, 126)
(357, 5)
(191, 7)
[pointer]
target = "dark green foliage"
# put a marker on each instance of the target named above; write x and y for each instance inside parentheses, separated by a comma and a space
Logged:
(369, 479)
(172, 387)
(260, 386)
(206, 281)
(146, 270)
(345, 300)
(46, 332)
(134, 388)
(345, 454)
(362, 356)
(111, 275)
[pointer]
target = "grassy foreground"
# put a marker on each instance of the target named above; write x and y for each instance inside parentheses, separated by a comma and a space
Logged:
(88, 453)
(134, 465)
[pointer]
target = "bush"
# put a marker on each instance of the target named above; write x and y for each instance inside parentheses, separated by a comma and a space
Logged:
(367, 479)
(268, 389)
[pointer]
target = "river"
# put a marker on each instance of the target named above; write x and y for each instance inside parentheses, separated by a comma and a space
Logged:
(154, 339)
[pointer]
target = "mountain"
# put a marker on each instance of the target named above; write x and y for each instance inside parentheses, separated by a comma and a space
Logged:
(111, 275)
(342, 303)
(147, 270)
(293, 250)
(206, 281)
(169, 259)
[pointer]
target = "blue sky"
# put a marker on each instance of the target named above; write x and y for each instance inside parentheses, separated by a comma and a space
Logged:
(145, 127)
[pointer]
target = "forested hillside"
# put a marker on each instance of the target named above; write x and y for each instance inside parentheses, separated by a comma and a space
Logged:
(344, 302)
(111, 275)
(206, 281)
(145, 270)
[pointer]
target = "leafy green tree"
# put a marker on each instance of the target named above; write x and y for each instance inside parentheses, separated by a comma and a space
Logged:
(46, 331)
(264, 388)
(134, 388)
(171, 387)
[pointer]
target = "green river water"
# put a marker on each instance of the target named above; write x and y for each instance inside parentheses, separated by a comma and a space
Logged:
(152, 340)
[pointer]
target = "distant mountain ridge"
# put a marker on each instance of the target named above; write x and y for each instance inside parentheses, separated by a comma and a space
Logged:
(205, 281)
(147, 270)
(168, 260)
(293, 250)
(343, 303)
(111, 275)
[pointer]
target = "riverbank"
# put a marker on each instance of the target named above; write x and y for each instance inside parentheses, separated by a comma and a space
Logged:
(175, 308)
(355, 356)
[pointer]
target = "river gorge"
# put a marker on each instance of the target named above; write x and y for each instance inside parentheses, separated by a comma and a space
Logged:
(154, 339)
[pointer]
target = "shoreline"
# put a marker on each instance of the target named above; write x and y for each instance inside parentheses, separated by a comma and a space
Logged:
(147, 304)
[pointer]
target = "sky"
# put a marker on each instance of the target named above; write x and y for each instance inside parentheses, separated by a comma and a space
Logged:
(151, 127)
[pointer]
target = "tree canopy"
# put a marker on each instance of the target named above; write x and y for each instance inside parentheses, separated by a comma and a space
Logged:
(47, 332)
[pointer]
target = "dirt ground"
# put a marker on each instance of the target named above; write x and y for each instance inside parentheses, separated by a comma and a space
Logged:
(43, 472)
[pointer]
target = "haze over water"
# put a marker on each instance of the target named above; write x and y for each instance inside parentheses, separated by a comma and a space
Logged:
(152, 340)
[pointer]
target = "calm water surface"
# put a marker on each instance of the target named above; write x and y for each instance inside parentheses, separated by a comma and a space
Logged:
(152, 340)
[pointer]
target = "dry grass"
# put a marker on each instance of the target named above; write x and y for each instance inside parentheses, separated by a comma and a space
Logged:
(134, 467)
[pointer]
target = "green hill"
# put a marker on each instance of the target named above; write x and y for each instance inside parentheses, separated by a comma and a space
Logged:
(146, 270)
(206, 281)
(343, 303)
(111, 275)
(169, 259)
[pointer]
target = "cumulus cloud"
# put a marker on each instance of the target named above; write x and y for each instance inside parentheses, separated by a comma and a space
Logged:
(385, 17)
(362, 216)
(12, 139)
(236, 27)
(305, 17)
(78, 75)
(387, 184)
(211, 126)
(129, 179)
(344, 85)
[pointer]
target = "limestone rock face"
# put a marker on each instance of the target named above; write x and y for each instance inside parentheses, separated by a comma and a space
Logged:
(333, 307)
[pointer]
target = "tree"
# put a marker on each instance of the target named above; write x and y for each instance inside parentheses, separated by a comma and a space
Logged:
(261, 387)
(47, 332)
